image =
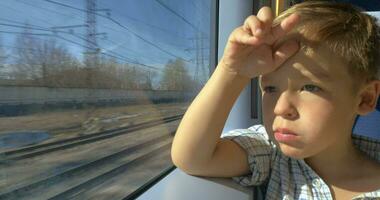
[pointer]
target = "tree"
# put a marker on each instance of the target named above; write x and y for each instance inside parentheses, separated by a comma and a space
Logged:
(41, 59)
(26, 63)
(3, 56)
(53, 59)
(148, 80)
(176, 77)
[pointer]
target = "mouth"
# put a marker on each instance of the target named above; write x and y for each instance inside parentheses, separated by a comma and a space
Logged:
(284, 131)
(284, 135)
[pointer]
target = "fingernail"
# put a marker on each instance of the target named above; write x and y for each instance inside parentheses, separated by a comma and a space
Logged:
(258, 31)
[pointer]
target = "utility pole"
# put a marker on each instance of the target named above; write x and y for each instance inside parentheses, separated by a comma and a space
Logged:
(92, 48)
(91, 57)
(200, 75)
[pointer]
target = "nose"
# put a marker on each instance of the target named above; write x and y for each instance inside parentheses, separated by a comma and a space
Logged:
(285, 107)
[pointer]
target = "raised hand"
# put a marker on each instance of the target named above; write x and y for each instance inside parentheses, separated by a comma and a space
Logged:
(249, 51)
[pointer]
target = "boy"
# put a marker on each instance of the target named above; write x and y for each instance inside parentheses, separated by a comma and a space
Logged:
(317, 64)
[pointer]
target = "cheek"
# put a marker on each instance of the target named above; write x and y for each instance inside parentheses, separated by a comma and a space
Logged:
(318, 117)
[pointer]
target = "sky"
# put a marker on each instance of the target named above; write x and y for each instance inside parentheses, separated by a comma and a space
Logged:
(369, 5)
(149, 32)
(375, 14)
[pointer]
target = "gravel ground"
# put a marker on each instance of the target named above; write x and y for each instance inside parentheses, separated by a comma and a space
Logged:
(71, 123)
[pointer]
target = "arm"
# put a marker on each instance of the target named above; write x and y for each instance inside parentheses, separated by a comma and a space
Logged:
(198, 135)
(197, 148)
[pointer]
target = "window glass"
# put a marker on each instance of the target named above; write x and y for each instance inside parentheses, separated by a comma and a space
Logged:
(368, 5)
(92, 91)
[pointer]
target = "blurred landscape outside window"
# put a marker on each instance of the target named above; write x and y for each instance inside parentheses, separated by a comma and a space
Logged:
(92, 91)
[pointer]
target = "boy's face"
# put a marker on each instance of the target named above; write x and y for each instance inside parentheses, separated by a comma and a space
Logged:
(311, 103)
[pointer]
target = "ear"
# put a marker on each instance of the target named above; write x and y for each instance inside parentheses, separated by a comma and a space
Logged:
(369, 95)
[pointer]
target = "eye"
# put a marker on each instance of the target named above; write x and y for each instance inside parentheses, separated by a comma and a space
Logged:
(269, 89)
(311, 88)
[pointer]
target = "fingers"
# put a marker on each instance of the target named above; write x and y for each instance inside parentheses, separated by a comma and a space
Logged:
(252, 26)
(255, 27)
(285, 51)
(248, 34)
(258, 29)
(266, 17)
(261, 24)
(244, 37)
(286, 25)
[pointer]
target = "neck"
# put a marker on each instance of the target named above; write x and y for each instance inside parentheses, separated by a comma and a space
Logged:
(337, 162)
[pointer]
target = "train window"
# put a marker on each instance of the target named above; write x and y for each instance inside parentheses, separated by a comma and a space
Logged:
(367, 5)
(91, 92)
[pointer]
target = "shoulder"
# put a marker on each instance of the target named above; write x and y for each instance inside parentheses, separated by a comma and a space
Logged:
(370, 146)
(252, 131)
(253, 139)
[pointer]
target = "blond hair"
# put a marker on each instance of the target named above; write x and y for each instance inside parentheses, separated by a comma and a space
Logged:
(353, 35)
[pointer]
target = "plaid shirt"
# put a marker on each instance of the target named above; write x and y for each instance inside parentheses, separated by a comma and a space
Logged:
(282, 177)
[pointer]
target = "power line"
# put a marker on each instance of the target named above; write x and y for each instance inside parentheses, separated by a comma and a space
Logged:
(74, 42)
(12, 21)
(34, 27)
(40, 28)
(14, 32)
(23, 26)
(124, 27)
(151, 25)
(118, 57)
(49, 10)
(178, 15)
(109, 55)
(82, 10)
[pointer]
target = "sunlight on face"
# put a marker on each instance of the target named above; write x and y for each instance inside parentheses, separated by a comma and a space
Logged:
(309, 100)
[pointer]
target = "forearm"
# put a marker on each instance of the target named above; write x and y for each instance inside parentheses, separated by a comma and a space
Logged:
(203, 122)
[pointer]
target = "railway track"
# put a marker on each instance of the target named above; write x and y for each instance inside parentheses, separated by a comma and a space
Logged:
(73, 181)
(36, 150)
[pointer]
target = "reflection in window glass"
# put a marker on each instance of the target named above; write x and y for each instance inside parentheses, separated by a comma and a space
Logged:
(367, 5)
(92, 92)
(375, 14)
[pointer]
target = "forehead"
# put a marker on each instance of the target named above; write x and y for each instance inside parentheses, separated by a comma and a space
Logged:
(310, 62)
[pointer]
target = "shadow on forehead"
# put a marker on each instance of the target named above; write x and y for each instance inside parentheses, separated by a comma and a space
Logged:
(306, 63)
(318, 52)
(307, 42)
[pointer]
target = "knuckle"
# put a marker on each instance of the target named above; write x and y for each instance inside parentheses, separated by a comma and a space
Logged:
(265, 10)
(238, 30)
(251, 19)
(265, 14)
(236, 34)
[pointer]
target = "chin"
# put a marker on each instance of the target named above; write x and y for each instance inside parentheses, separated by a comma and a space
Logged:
(292, 152)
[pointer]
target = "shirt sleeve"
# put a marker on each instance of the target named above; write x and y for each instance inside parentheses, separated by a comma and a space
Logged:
(256, 143)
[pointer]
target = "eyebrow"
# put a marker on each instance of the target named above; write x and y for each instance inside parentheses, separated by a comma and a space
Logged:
(317, 74)
(304, 75)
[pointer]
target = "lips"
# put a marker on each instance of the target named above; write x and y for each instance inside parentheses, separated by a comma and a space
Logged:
(284, 131)
(284, 135)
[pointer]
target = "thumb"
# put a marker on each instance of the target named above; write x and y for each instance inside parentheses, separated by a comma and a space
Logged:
(286, 50)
